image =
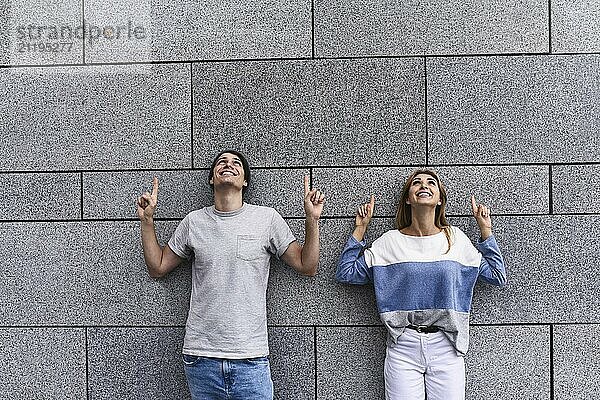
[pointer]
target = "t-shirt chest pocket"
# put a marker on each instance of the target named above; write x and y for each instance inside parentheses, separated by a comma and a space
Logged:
(249, 248)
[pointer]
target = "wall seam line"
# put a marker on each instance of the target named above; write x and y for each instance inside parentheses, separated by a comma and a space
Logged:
(81, 196)
(426, 116)
(507, 325)
(370, 57)
(550, 192)
(288, 167)
(87, 368)
(316, 363)
(192, 112)
(551, 362)
(312, 22)
(287, 217)
(83, 38)
(549, 26)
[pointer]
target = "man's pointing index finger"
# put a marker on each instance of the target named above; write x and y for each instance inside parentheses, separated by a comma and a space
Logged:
(306, 185)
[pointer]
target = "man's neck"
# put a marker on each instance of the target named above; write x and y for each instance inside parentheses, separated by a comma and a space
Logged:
(228, 200)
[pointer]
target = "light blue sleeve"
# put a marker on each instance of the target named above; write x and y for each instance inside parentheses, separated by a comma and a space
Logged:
(492, 269)
(352, 267)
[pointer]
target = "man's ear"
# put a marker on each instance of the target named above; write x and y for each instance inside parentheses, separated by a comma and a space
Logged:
(245, 183)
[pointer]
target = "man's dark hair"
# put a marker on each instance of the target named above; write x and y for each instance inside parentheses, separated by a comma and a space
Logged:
(245, 165)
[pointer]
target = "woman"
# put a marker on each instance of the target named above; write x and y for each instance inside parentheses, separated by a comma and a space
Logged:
(424, 273)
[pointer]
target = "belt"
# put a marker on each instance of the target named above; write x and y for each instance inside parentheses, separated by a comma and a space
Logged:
(424, 328)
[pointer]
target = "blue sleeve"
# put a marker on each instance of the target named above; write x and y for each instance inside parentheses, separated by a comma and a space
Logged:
(492, 269)
(352, 267)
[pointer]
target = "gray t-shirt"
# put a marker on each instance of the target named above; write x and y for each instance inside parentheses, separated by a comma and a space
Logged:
(230, 255)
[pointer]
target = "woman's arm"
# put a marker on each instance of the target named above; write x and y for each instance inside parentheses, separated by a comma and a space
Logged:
(492, 269)
(352, 267)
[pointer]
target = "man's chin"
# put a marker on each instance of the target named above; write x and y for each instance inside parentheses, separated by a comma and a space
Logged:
(227, 185)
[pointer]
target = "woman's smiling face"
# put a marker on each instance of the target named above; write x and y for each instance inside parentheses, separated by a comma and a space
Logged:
(424, 190)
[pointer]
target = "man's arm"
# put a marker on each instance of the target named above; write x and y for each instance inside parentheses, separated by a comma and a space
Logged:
(159, 260)
(305, 259)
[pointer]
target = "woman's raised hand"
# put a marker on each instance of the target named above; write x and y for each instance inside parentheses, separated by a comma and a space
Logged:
(364, 213)
(483, 218)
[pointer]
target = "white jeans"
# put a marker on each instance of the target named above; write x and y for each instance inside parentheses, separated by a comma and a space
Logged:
(423, 362)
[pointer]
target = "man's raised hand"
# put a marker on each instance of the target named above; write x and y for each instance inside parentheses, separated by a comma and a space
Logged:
(313, 200)
(146, 203)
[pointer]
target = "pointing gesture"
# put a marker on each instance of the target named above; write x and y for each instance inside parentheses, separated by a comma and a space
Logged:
(313, 200)
(364, 213)
(482, 216)
(146, 203)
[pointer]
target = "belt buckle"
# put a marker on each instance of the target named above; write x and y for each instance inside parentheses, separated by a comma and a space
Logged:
(420, 328)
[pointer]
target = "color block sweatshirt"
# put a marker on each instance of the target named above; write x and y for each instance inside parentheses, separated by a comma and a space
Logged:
(417, 282)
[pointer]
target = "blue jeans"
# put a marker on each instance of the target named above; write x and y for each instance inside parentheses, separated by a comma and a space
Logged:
(225, 379)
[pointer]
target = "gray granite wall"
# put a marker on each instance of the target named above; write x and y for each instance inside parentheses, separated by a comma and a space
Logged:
(502, 97)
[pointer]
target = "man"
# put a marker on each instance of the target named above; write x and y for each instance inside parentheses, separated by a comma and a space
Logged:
(230, 245)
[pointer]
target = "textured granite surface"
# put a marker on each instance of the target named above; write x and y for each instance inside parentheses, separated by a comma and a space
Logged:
(293, 362)
(320, 300)
(86, 274)
(350, 363)
(490, 110)
(575, 26)
(136, 363)
(112, 195)
(379, 27)
(501, 119)
(40, 196)
(94, 273)
(41, 32)
(348, 188)
(576, 365)
(341, 304)
(42, 363)
(103, 117)
(552, 273)
(508, 362)
(516, 359)
(124, 31)
(207, 30)
(120, 290)
(282, 189)
(5, 42)
(575, 188)
(505, 189)
(293, 299)
(289, 113)
(133, 363)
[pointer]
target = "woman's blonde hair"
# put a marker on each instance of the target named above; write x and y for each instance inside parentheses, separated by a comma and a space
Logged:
(404, 212)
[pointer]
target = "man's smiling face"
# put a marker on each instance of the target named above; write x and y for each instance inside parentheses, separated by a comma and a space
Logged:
(228, 171)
